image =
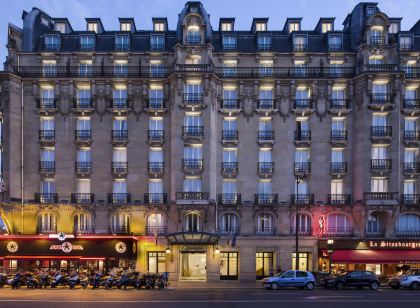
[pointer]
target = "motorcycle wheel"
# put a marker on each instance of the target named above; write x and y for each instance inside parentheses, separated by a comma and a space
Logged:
(71, 285)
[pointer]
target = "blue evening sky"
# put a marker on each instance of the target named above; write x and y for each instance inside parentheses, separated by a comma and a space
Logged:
(243, 10)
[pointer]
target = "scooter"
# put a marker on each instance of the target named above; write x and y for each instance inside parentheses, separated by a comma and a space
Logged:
(96, 280)
(111, 281)
(32, 281)
(17, 281)
(58, 279)
(74, 280)
(44, 280)
(150, 281)
(141, 281)
(84, 281)
(3, 280)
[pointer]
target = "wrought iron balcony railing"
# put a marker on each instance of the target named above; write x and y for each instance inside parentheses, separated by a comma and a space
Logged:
(46, 135)
(339, 199)
(381, 164)
(229, 198)
(266, 199)
(229, 167)
(302, 167)
(119, 198)
(192, 164)
(192, 195)
(155, 198)
(380, 196)
(339, 103)
(83, 167)
(338, 167)
(83, 135)
(156, 135)
(82, 198)
(410, 199)
(338, 135)
(46, 197)
(381, 131)
(304, 199)
(303, 135)
(47, 166)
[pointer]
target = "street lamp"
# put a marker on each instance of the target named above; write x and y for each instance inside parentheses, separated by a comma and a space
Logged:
(299, 179)
(330, 250)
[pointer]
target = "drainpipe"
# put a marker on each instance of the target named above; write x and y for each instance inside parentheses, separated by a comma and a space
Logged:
(21, 154)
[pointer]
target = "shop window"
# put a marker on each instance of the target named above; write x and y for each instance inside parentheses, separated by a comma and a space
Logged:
(304, 261)
(264, 264)
(228, 266)
(156, 262)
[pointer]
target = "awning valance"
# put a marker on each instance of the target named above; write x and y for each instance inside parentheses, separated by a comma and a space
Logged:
(375, 256)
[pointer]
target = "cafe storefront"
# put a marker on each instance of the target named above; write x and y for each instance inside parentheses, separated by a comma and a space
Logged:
(384, 257)
(66, 252)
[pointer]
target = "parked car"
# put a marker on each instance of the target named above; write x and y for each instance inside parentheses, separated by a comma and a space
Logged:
(358, 279)
(290, 279)
(410, 279)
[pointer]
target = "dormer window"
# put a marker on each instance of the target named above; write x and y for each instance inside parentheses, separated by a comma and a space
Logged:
(45, 21)
(377, 36)
(326, 27)
(92, 26)
(264, 42)
(260, 26)
(159, 26)
(294, 26)
(229, 42)
(122, 43)
(405, 42)
(227, 26)
(60, 27)
(300, 43)
(193, 35)
(370, 10)
(52, 42)
(157, 42)
(335, 43)
(125, 26)
(87, 42)
(394, 27)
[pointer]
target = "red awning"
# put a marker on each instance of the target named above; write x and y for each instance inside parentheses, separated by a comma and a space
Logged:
(376, 256)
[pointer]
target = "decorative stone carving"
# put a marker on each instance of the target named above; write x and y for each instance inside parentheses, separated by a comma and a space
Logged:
(64, 103)
(137, 105)
(101, 102)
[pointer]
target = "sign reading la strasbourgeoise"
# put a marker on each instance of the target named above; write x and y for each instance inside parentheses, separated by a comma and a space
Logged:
(394, 244)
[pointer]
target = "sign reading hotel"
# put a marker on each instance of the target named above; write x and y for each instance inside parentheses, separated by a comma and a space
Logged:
(394, 244)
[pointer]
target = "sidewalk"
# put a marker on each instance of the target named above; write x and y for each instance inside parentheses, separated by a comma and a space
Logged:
(223, 284)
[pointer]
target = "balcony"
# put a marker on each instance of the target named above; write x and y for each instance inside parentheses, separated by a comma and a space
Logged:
(47, 105)
(155, 198)
(265, 231)
(380, 165)
(411, 71)
(229, 137)
(302, 168)
(411, 105)
(47, 167)
(83, 168)
(229, 169)
(46, 137)
(302, 104)
(264, 47)
(46, 197)
(119, 106)
(266, 138)
(155, 168)
(303, 231)
(412, 137)
(265, 169)
(155, 137)
(338, 232)
(381, 101)
(119, 198)
(229, 199)
(193, 100)
(335, 199)
(194, 68)
(338, 137)
(266, 105)
(408, 233)
(119, 169)
(335, 47)
(377, 40)
(338, 168)
(120, 229)
(193, 134)
(83, 137)
(122, 47)
(82, 198)
(155, 230)
(229, 230)
(46, 228)
(374, 233)
(157, 46)
(411, 168)
(381, 197)
(380, 68)
(230, 105)
(155, 105)
(266, 199)
(381, 134)
(410, 199)
(119, 137)
(406, 46)
(192, 166)
(339, 105)
(192, 197)
(82, 229)
(303, 137)
(300, 47)
(229, 46)
(302, 199)
(82, 105)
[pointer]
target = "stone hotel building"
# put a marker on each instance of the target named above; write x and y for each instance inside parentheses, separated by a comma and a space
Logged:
(206, 151)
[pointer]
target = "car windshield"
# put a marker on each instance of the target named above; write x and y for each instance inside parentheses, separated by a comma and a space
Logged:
(279, 274)
(413, 272)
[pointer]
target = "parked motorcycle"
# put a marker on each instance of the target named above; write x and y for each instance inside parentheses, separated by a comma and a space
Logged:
(58, 280)
(32, 281)
(128, 279)
(74, 280)
(17, 281)
(3, 280)
(150, 281)
(111, 281)
(44, 280)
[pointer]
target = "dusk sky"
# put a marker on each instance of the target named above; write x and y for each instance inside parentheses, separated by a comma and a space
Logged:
(243, 10)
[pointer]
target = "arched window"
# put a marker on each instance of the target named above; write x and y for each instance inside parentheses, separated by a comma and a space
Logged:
(265, 224)
(155, 225)
(373, 225)
(120, 223)
(193, 35)
(408, 225)
(192, 222)
(83, 223)
(377, 35)
(229, 223)
(47, 223)
(305, 224)
(338, 224)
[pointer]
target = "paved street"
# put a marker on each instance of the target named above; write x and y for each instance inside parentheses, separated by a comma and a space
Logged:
(207, 297)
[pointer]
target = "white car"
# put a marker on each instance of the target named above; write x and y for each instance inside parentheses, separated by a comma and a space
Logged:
(409, 280)
(290, 279)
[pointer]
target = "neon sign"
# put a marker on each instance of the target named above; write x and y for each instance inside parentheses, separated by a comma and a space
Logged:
(321, 223)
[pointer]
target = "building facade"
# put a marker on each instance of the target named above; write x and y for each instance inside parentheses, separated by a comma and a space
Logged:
(202, 152)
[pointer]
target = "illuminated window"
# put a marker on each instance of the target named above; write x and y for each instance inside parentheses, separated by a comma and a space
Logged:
(326, 26)
(92, 26)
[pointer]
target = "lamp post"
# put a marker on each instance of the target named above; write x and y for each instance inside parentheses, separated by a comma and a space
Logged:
(330, 243)
(299, 179)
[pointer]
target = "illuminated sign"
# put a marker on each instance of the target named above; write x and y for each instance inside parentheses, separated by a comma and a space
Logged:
(66, 247)
(394, 244)
(321, 223)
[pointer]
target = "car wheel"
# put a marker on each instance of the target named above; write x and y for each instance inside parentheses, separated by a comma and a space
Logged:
(339, 285)
(310, 286)
(274, 286)
(374, 286)
(414, 285)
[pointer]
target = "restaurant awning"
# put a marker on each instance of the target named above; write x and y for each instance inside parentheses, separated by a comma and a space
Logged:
(376, 256)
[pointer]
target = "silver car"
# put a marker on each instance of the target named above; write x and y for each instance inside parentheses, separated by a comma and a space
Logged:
(411, 280)
(290, 279)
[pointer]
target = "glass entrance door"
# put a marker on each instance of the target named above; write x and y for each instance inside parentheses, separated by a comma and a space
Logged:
(228, 266)
(264, 264)
(193, 266)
